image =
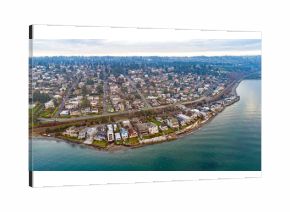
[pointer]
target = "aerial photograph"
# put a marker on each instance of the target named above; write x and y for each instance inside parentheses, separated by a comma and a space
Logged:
(133, 105)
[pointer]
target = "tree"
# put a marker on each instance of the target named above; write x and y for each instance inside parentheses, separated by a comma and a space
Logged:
(90, 82)
(102, 75)
(84, 90)
(100, 89)
(40, 97)
(124, 89)
(85, 102)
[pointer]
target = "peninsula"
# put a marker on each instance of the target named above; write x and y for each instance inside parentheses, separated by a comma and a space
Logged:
(117, 102)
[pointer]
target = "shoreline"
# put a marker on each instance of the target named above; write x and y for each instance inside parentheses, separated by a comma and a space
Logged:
(115, 148)
(188, 130)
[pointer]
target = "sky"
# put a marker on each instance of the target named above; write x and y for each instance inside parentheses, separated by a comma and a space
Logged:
(109, 47)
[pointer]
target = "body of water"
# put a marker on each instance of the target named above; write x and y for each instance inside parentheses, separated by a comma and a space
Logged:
(230, 142)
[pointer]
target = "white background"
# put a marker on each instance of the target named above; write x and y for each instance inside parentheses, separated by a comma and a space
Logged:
(271, 192)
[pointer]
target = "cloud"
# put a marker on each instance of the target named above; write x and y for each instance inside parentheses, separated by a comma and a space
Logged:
(165, 48)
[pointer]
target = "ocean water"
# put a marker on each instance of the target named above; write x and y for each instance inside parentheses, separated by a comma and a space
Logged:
(230, 142)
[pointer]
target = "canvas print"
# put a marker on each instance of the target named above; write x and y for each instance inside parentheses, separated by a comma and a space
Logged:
(145, 103)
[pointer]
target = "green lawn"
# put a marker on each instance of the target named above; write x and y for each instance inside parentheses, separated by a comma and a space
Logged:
(54, 112)
(152, 136)
(154, 121)
(170, 130)
(119, 142)
(102, 144)
(110, 109)
(132, 141)
(34, 113)
(92, 114)
(47, 113)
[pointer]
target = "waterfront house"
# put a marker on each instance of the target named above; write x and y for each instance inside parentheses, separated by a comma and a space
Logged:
(117, 136)
(82, 134)
(204, 115)
(110, 133)
(100, 136)
(124, 133)
(205, 109)
(196, 111)
(110, 136)
(152, 128)
(142, 128)
(101, 128)
(132, 133)
(91, 132)
(71, 131)
(163, 127)
(183, 119)
(172, 122)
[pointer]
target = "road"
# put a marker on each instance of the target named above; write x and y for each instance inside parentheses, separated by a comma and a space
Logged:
(64, 99)
(46, 120)
(140, 93)
(105, 97)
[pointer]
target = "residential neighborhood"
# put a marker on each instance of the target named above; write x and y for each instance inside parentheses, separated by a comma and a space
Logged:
(161, 97)
(141, 130)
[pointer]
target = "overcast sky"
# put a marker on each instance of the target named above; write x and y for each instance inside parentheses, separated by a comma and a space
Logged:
(102, 47)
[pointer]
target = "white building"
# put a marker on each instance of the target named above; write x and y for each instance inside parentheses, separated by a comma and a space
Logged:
(71, 131)
(91, 132)
(64, 113)
(205, 109)
(163, 127)
(115, 127)
(110, 127)
(152, 128)
(110, 133)
(200, 90)
(126, 123)
(117, 136)
(49, 104)
(57, 96)
(195, 111)
(82, 134)
(124, 133)
(183, 118)
(172, 123)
